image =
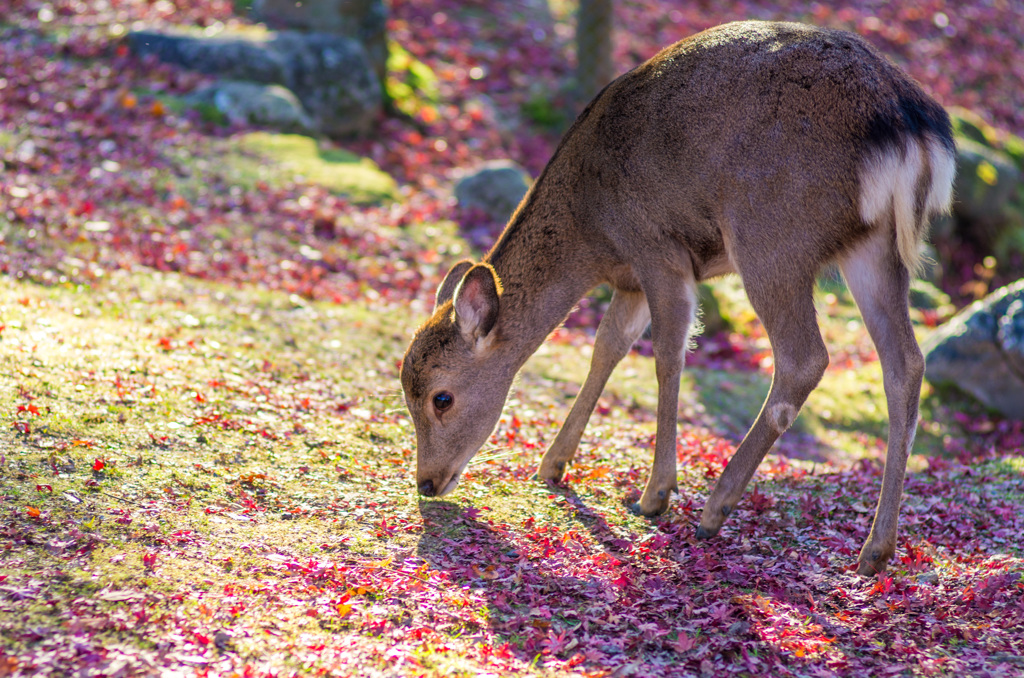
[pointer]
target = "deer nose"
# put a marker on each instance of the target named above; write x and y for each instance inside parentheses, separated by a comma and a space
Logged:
(427, 488)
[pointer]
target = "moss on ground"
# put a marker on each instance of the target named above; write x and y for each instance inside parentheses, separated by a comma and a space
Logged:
(262, 156)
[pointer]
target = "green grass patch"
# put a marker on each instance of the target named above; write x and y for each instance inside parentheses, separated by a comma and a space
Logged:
(263, 156)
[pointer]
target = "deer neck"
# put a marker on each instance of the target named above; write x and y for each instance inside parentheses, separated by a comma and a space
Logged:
(544, 268)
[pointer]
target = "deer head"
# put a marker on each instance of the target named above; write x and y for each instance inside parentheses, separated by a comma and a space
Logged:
(455, 380)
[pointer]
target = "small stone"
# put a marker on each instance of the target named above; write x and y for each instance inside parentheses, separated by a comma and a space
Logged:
(496, 188)
(250, 103)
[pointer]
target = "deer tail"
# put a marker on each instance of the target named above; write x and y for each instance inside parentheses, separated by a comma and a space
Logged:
(909, 183)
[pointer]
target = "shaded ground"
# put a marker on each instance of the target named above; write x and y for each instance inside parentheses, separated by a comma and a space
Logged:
(205, 459)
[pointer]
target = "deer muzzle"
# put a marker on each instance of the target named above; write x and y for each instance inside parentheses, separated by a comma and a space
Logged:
(429, 488)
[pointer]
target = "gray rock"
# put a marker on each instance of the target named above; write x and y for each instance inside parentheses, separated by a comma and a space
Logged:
(271, 106)
(1011, 339)
(234, 57)
(988, 194)
(496, 188)
(985, 181)
(330, 74)
(362, 20)
(981, 351)
(988, 205)
(333, 78)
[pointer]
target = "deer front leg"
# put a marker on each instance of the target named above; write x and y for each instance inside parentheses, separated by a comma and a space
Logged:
(672, 314)
(800, 361)
(622, 325)
(879, 283)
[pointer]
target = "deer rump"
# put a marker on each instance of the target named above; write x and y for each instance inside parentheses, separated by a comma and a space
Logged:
(763, 149)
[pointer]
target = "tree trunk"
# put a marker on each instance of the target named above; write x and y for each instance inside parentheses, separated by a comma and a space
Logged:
(594, 67)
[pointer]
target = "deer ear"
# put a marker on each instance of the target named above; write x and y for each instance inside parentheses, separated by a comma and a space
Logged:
(476, 301)
(451, 281)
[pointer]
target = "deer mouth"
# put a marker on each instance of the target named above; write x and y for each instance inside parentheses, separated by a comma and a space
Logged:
(428, 489)
(451, 485)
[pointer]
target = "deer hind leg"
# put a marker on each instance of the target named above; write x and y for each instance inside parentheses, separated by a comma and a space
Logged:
(626, 319)
(880, 283)
(786, 308)
(673, 302)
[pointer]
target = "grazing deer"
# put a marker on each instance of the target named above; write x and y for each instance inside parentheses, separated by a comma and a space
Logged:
(763, 149)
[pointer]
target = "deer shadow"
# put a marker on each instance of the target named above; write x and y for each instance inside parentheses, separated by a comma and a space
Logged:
(597, 596)
(626, 600)
(525, 602)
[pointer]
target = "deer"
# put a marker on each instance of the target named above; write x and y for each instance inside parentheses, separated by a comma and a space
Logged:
(767, 150)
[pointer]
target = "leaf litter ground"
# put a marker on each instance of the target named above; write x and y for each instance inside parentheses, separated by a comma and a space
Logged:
(206, 461)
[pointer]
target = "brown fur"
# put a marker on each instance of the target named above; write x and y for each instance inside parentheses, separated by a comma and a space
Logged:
(764, 149)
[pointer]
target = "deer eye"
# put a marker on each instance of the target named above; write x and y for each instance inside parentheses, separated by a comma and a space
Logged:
(443, 400)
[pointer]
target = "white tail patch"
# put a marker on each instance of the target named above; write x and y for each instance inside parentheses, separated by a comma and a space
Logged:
(943, 166)
(889, 184)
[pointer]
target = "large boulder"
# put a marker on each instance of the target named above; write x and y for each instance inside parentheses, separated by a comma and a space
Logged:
(985, 188)
(496, 189)
(988, 195)
(981, 351)
(330, 74)
(363, 20)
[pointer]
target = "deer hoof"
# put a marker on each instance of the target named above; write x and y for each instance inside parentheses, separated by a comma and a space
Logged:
(554, 474)
(872, 561)
(705, 533)
(638, 510)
